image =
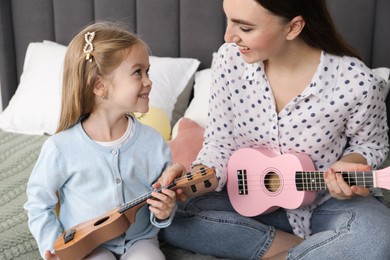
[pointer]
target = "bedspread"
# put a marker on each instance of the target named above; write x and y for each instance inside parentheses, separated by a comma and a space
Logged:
(18, 154)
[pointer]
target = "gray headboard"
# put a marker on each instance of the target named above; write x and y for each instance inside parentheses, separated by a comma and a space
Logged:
(176, 28)
(185, 28)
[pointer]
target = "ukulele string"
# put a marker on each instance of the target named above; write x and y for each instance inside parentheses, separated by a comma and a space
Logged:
(293, 186)
(318, 176)
(307, 181)
(148, 195)
(294, 180)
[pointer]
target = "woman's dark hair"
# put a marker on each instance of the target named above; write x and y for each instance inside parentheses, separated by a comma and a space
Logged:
(319, 31)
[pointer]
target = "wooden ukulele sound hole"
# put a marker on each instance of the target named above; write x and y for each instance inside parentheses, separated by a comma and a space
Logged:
(100, 221)
(272, 182)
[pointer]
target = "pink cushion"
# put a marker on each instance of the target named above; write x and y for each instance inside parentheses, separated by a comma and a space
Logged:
(187, 143)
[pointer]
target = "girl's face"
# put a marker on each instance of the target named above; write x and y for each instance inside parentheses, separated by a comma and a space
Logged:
(129, 84)
(258, 33)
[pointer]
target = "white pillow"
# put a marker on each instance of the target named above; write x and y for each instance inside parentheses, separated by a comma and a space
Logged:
(199, 106)
(169, 76)
(35, 106)
(385, 74)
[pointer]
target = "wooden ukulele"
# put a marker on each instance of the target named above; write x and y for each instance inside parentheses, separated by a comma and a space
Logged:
(80, 240)
(260, 181)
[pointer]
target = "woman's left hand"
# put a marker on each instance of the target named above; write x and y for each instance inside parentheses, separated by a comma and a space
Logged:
(337, 186)
(162, 203)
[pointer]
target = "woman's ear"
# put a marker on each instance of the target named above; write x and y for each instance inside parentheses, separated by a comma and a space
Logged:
(99, 89)
(296, 26)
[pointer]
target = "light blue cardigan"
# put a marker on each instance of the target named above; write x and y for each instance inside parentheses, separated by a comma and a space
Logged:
(91, 180)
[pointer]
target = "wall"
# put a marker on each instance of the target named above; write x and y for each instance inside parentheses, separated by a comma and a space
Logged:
(1, 104)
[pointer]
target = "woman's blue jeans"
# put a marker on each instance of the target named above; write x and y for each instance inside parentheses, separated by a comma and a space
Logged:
(354, 229)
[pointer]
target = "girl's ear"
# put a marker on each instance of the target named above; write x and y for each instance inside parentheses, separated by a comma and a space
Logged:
(296, 26)
(99, 89)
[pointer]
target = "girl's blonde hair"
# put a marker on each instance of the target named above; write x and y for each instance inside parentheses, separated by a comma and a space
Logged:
(111, 44)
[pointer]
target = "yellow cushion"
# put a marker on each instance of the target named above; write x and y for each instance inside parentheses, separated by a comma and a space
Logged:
(157, 119)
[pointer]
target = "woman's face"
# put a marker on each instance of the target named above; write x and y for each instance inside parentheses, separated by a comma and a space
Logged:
(258, 33)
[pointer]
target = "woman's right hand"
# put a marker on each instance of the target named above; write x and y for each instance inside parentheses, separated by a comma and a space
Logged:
(50, 256)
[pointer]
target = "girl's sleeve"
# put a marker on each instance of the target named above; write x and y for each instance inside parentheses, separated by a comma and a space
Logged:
(367, 126)
(165, 223)
(45, 180)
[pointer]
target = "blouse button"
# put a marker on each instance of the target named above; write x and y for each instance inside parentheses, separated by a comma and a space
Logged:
(114, 152)
(118, 180)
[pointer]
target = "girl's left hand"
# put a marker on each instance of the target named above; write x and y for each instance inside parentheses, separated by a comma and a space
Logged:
(337, 187)
(162, 203)
(170, 174)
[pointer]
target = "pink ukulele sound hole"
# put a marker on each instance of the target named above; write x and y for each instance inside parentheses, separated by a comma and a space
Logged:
(272, 182)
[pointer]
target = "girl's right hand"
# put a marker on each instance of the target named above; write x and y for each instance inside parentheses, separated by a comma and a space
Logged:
(50, 256)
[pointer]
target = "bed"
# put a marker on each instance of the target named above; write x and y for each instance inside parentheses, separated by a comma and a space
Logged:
(182, 35)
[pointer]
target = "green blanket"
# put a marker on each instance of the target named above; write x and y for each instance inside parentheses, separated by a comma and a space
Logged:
(18, 154)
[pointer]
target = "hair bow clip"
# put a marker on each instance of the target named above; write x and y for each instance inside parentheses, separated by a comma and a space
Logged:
(88, 48)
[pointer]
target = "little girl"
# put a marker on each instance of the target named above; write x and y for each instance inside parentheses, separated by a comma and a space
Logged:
(101, 157)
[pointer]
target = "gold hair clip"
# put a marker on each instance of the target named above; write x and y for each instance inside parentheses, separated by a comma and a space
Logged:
(88, 48)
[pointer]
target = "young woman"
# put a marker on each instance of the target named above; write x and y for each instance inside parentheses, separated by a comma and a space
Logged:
(286, 82)
(101, 157)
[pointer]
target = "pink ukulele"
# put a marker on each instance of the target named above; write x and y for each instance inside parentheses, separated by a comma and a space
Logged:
(260, 181)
